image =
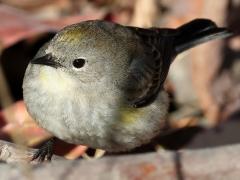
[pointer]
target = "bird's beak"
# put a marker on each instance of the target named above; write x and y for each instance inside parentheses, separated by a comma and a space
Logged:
(46, 60)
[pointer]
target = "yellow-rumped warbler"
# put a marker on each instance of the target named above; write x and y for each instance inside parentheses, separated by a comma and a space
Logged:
(100, 84)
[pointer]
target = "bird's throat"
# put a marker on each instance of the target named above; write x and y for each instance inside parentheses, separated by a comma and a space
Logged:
(55, 80)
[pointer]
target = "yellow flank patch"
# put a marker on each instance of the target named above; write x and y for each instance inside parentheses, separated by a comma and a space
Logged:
(131, 115)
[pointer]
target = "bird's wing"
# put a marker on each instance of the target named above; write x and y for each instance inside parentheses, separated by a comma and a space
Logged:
(149, 68)
(160, 46)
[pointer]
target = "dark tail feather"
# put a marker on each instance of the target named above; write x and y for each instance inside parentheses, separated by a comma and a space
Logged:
(197, 32)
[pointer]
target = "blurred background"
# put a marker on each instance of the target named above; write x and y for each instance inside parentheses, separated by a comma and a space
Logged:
(204, 83)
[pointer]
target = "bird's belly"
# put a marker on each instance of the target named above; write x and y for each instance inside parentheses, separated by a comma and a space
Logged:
(76, 122)
(97, 125)
(96, 118)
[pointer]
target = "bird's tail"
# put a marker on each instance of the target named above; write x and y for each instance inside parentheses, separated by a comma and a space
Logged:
(197, 32)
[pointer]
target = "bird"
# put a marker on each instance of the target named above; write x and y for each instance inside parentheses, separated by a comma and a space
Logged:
(101, 84)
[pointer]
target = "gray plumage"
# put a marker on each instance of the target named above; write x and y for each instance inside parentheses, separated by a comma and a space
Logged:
(115, 101)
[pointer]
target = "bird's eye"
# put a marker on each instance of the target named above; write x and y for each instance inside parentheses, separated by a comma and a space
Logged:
(78, 63)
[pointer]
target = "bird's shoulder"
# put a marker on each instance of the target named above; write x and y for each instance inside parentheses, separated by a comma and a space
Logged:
(150, 67)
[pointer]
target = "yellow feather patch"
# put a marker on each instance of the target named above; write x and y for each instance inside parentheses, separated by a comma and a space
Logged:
(72, 35)
(131, 115)
(54, 81)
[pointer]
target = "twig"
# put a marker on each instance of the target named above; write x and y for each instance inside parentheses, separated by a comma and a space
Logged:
(12, 153)
(213, 163)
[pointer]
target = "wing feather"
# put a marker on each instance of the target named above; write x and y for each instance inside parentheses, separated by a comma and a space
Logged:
(149, 70)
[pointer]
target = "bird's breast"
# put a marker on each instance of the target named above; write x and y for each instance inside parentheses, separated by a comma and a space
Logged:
(96, 118)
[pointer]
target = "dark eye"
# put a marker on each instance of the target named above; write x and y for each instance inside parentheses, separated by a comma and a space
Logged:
(78, 63)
